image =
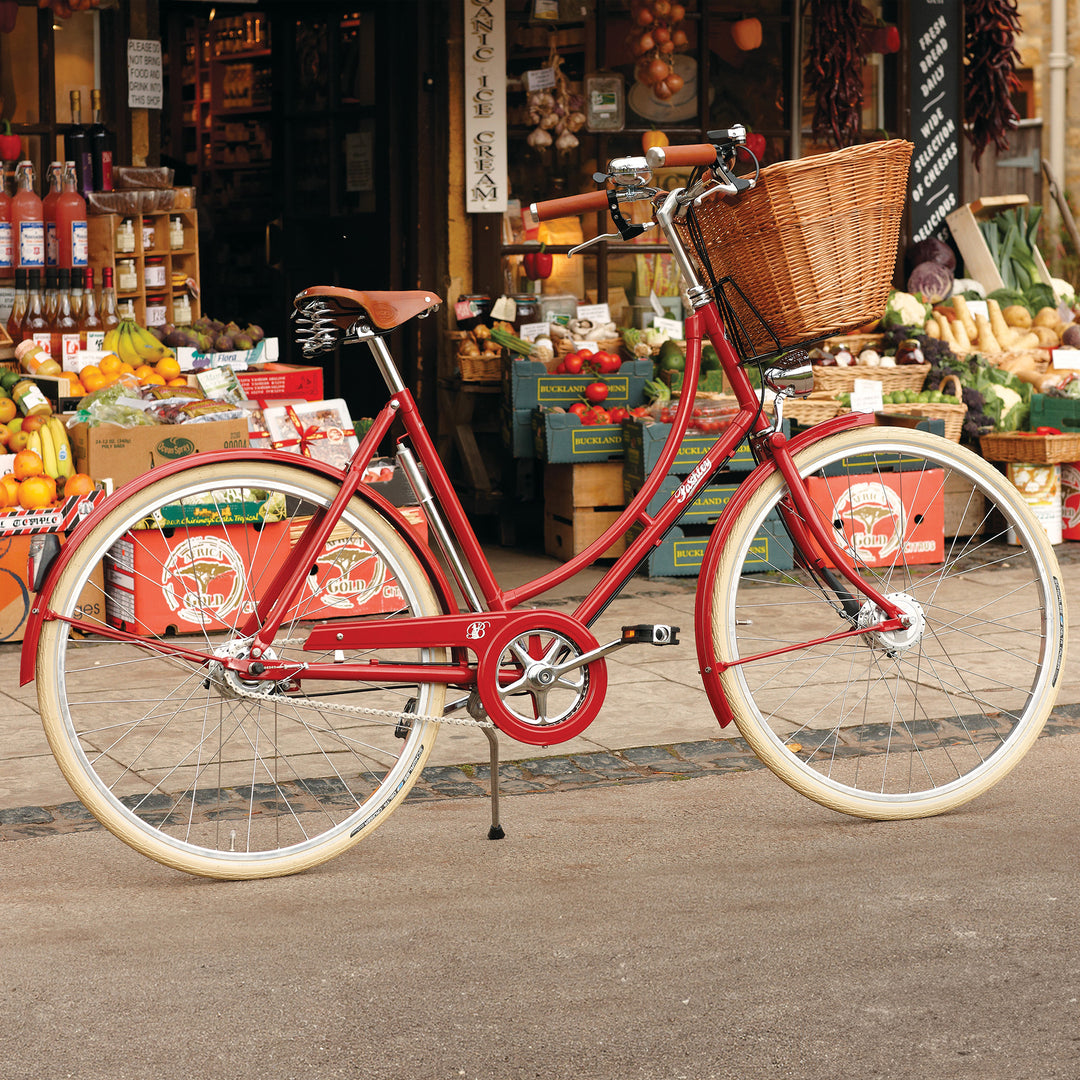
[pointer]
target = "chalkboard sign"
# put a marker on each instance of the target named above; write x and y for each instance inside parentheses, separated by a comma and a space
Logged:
(937, 37)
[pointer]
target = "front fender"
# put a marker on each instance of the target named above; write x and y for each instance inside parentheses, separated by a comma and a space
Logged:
(40, 605)
(710, 676)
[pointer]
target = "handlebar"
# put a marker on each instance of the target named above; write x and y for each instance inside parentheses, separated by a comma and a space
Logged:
(570, 205)
(674, 157)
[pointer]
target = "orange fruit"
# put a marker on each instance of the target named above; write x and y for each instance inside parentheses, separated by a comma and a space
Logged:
(168, 368)
(93, 380)
(78, 484)
(88, 369)
(110, 363)
(10, 488)
(8, 410)
(36, 492)
(154, 379)
(27, 463)
(142, 371)
(180, 380)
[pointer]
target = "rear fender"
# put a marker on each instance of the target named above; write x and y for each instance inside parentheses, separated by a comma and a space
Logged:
(40, 605)
(710, 676)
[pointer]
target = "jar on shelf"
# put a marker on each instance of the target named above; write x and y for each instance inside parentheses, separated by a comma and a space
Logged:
(181, 309)
(176, 233)
(154, 272)
(127, 277)
(148, 237)
(156, 311)
(125, 235)
(126, 309)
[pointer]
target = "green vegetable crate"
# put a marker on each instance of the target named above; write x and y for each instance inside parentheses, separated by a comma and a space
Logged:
(563, 438)
(1061, 413)
(528, 384)
(682, 551)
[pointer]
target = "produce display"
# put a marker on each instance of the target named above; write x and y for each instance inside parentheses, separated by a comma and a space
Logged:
(657, 35)
(210, 335)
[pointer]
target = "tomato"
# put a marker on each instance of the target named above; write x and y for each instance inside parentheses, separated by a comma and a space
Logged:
(578, 408)
(606, 363)
(619, 414)
(560, 368)
(599, 416)
(596, 392)
(573, 364)
(641, 410)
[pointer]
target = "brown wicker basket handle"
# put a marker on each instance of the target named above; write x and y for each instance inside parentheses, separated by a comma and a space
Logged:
(958, 392)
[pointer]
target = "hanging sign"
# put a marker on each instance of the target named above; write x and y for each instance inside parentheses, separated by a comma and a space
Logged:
(485, 106)
(144, 74)
(936, 42)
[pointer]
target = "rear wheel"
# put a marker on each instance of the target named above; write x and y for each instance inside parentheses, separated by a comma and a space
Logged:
(178, 757)
(902, 724)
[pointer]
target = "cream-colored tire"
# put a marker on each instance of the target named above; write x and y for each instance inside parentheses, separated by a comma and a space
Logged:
(902, 725)
(170, 753)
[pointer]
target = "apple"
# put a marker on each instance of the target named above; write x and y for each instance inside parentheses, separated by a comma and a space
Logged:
(18, 441)
(5, 434)
(15, 424)
(33, 423)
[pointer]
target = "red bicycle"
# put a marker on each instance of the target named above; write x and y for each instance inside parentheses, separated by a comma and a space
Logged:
(279, 692)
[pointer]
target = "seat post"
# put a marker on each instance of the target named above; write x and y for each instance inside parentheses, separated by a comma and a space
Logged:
(391, 375)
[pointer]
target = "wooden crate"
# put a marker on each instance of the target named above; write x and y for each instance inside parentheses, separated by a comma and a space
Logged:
(965, 511)
(580, 502)
(978, 262)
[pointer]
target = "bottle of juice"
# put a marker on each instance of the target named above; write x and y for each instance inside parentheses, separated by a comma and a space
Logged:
(65, 327)
(71, 222)
(7, 256)
(54, 181)
(110, 313)
(91, 327)
(18, 308)
(35, 324)
(27, 220)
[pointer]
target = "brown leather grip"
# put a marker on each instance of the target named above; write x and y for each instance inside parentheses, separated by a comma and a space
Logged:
(674, 157)
(572, 204)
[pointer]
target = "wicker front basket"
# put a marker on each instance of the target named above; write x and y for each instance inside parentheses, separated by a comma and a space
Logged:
(840, 380)
(813, 245)
(1030, 449)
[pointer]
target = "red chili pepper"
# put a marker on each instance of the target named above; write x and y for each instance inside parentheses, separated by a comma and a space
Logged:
(10, 144)
(538, 265)
(1047, 431)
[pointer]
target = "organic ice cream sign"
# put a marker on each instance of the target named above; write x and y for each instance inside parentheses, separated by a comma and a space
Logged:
(485, 106)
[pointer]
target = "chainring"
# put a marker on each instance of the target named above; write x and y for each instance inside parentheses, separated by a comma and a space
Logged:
(526, 685)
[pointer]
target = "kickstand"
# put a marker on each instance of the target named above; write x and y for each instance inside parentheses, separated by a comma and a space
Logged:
(496, 830)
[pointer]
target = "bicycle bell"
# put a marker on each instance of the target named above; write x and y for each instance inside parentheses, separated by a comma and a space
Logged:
(791, 373)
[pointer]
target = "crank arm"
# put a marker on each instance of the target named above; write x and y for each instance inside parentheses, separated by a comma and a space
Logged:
(632, 635)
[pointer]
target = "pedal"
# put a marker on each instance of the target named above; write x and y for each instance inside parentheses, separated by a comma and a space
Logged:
(650, 634)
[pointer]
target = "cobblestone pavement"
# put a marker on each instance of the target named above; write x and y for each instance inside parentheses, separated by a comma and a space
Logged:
(530, 776)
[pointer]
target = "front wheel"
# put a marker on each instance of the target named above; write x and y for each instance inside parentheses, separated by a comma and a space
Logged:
(177, 755)
(902, 724)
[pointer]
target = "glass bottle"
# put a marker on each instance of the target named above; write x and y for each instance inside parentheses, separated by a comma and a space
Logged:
(110, 314)
(18, 308)
(27, 220)
(7, 256)
(71, 222)
(77, 280)
(52, 285)
(100, 147)
(35, 324)
(54, 181)
(65, 327)
(77, 142)
(91, 326)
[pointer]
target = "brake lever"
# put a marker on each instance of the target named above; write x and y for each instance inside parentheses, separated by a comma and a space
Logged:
(608, 236)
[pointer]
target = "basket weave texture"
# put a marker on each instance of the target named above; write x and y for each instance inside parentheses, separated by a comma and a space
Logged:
(813, 245)
(1030, 449)
(840, 380)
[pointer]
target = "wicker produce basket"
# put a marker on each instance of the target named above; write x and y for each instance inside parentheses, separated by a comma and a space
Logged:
(953, 415)
(812, 247)
(840, 380)
(564, 346)
(812, 410)
(477, 368)
(1018, 446)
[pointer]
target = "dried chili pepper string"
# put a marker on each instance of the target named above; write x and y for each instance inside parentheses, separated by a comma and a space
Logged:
(990, 60)
(834, 67)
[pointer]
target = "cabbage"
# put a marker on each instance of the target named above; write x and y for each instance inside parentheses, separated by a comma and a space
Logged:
(932, 280)
(1014, 410)
(931, 250)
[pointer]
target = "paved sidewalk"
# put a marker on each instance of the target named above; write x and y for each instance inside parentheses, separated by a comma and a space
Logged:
(656, 722)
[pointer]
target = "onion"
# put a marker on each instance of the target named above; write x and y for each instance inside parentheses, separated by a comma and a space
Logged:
(659, 71)
(678, 13)
(644, 17)
(644, 44)
(661, 34)
(662, 90)
(675, 82)
(679, 38)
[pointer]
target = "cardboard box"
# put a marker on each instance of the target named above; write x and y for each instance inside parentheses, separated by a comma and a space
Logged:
(517, 431)
(120, 454)
(267, 382)
(871, 506)
(190, 581)
(562, 437)
(191, 359)
(644, 442)
(16, 598)
(528, 384)
(61, 518)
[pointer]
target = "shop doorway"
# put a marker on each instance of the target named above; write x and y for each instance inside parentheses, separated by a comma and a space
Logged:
(315, 135)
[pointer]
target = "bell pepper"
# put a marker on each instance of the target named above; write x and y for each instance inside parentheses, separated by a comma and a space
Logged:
(10, 144)
(538, 265)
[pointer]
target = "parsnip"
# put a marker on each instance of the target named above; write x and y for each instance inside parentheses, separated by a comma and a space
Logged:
(986, 340)
(963, 313)
(959, 330)
(931, 328)
(945, 329)
(1002, 331)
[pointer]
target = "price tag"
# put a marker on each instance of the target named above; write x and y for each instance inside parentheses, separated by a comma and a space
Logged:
(540, 79)
(672, 327)
(532, 330)
(505, 310)
(587, 346)
(595, 313)
(654, 303)
(1065, 359)
(866, 395)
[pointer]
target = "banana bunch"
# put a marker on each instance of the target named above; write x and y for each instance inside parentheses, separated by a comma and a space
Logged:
(50, 443)
(134, 344)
